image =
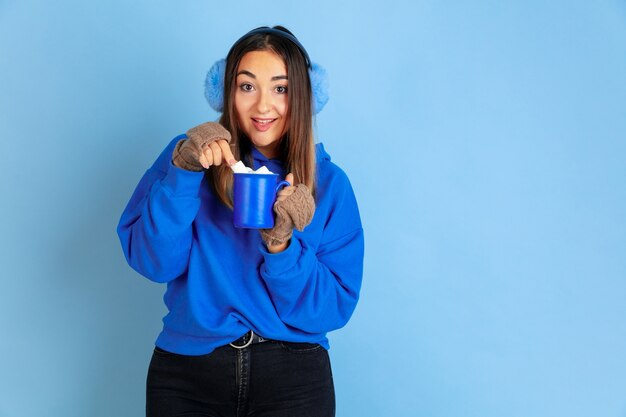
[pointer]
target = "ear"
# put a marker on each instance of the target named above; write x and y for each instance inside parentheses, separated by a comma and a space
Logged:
(214, 85)
(319, 87)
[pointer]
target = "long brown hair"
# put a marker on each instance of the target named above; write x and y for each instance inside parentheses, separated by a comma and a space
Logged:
(297, 146)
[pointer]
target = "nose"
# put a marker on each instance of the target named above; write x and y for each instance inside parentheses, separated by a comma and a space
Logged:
(264, 103)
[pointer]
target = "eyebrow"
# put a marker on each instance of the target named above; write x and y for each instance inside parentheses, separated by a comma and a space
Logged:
(251, 75)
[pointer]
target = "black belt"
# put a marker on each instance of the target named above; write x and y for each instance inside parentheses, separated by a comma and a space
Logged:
(248, 339)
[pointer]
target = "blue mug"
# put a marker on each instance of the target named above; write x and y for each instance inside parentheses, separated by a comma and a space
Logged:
(253, 200)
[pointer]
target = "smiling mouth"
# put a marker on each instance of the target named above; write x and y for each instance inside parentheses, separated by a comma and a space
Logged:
(262, 125)
(263, 121)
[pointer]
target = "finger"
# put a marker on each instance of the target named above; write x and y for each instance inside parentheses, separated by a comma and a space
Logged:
(227, 154)
(287, 191)
(289, 178)
(217, 153)
(203, 161)
(209, 156)
(284, 193)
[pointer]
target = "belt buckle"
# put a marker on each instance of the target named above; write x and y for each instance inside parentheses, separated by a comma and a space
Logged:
(245, 345)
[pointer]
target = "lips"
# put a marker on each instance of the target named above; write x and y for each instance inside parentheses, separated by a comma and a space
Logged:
(262, 124)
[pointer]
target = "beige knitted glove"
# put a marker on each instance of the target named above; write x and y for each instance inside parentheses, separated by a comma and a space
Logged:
(295, 211)
(187, 152)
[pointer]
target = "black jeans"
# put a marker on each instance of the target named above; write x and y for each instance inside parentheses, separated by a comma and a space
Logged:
(271, 379)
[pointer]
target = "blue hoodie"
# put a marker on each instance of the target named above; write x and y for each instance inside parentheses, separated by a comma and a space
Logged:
(222, 281)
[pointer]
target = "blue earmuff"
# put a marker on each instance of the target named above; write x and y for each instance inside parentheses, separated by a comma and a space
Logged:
(214, 82)
(214, 85)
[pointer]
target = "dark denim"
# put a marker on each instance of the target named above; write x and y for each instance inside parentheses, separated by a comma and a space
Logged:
(271, 379)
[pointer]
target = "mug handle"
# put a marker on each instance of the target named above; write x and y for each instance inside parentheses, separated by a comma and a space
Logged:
(282, 184)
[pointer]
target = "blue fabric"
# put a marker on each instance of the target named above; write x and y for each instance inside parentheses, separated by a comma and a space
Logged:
(221, 281)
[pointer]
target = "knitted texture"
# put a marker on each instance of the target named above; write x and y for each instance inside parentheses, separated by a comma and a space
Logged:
(187, 151)
(295, 211)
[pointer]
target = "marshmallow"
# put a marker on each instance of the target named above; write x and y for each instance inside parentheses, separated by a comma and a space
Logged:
(263, 170)
(239, 168)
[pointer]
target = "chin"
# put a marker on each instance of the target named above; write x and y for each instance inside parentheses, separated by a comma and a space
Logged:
(264, 140)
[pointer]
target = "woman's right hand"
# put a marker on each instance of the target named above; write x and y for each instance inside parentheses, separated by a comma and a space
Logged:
(206, 145)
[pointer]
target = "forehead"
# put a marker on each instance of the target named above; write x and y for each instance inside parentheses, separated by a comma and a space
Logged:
(263, 63)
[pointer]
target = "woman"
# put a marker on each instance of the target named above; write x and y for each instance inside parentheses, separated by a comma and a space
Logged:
(249, 309)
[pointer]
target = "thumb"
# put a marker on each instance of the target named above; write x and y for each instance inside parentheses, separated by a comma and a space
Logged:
(289, 178)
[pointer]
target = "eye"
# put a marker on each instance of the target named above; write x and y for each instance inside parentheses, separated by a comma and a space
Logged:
(281, 89)
(246, 87)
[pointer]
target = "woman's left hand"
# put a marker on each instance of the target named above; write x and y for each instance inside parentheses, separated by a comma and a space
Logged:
(294, 208)
(286, 191)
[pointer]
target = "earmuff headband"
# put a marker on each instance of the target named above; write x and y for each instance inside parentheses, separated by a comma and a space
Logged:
(266, 30)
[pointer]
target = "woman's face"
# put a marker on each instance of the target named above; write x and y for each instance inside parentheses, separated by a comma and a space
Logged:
(261, 99)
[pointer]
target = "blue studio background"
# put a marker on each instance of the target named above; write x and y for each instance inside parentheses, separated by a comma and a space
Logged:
(486, 143)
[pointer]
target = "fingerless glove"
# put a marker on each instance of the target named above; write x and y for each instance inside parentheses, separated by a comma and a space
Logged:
(187, 151)
(296, 210)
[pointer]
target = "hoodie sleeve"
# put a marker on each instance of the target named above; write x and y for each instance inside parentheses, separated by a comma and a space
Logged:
(155, 228)
(316, 289)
